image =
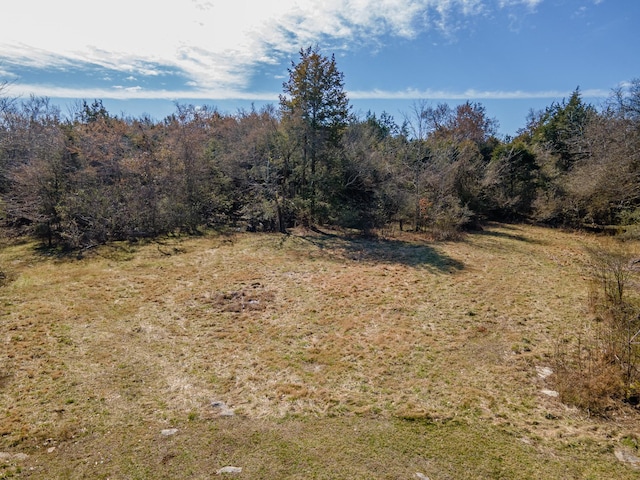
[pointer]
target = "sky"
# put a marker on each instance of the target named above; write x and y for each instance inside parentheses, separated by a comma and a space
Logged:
(141, 57)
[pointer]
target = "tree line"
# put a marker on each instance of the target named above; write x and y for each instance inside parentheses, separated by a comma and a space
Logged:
(91, 177)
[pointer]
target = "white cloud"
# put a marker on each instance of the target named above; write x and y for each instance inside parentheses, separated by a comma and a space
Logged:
(531, 4)
(120, 92)
(5, 75)
(135, 89)
(213, 43)
(413, 94)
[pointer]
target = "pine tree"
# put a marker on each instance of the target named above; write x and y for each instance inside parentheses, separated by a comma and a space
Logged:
(315, 110)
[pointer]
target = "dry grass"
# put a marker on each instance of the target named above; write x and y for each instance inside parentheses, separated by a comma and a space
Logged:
(341, 358)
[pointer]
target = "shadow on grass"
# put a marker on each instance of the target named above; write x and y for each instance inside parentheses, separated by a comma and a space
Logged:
(118, 250)
(383, 251)
(509, 236)
(113, 251)
(54, 251)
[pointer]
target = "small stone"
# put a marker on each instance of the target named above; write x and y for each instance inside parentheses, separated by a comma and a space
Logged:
(169, 431)
(229, 470)
(544, 372)
(51, 449)
(5, 457)
(225, 411)
(550, 393)
(421, 476)
(628, 458)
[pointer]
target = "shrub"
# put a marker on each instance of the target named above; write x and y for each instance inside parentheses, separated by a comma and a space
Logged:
(602, 364)
(583, 376)
(447, 217)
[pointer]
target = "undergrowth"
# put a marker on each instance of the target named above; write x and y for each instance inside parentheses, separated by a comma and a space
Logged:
(599, 366)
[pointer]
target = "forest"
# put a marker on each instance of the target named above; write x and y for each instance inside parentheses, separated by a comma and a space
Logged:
(91, 177)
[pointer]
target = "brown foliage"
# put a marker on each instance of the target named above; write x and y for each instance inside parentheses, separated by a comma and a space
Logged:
(601, 367)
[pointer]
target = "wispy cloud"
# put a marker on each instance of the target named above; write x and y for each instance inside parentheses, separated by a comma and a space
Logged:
(212, 44)
(531, 4)
(411, 94)
(120, 92)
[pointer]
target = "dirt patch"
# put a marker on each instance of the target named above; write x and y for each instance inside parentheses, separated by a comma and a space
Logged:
(252, 298)
(4, 379)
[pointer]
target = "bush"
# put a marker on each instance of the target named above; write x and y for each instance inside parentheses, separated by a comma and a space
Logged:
(584, 377)
(602, 364)
(447, 217)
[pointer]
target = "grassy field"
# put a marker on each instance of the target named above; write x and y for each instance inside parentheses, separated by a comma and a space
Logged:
(297, 357)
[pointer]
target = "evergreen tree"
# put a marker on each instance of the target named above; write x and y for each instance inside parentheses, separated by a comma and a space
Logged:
(510, 181)
(562, 129)
(315, 110)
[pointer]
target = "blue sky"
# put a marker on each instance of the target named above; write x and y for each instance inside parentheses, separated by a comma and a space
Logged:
(142, 56)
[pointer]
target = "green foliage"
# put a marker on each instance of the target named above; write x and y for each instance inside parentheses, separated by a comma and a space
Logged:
(314, 109)
(314, 95)
(588, 161)
(511, 181)
(562, 128)
(92, 113)
(629, 217)
(446, 217)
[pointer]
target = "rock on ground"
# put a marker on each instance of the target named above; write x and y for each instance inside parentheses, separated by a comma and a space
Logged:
(229, 470)
(628, 458)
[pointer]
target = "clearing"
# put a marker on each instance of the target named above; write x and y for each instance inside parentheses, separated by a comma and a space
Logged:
(303, 356)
